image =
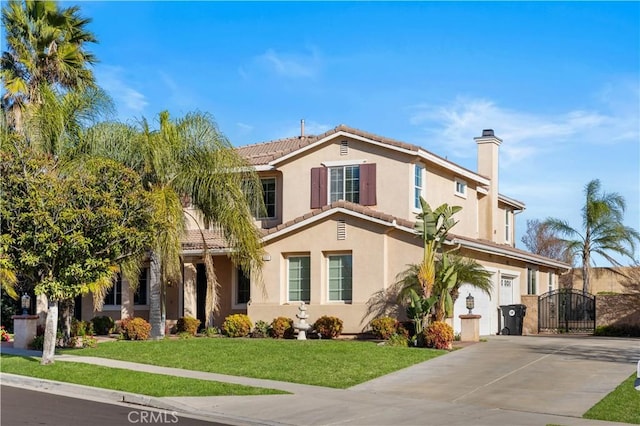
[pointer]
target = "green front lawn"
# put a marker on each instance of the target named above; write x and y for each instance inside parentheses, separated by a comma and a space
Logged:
(158, 385)
(330, 363)
(621, 405)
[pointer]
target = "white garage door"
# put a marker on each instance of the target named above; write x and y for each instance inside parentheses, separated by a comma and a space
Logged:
(482, 307)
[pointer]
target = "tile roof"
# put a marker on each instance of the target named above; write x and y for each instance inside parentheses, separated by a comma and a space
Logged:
(192, 240)
(265, 152)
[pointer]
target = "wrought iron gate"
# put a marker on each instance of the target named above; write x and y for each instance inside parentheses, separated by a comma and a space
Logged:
(567, 310)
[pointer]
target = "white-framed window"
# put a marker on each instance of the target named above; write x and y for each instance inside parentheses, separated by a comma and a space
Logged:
(507, 226)
(242, 292)
(340, 276)
(418, 174)
(344, 183)
(269, 198)
(299, 278)
(113, 297)
(460, 188)
(532, 284)
(551, 279)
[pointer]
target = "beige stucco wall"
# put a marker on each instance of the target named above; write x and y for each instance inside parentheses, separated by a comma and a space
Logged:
(374, 268)
(605, 280)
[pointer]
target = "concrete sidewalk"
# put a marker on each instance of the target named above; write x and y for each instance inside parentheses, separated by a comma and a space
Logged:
(509, 380)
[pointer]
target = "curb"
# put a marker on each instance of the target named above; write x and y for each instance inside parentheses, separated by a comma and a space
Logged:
(115, 397)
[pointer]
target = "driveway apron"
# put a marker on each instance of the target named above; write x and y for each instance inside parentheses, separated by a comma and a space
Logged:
(537, 374)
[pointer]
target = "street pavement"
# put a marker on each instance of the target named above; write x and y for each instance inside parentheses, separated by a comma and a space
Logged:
(507, 380)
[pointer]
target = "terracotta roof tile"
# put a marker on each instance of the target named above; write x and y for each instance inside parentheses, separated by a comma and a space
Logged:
(192, 240)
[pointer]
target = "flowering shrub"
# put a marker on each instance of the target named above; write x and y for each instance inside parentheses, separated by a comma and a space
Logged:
(329, 327)
(438, 335)
(188, 325)
(237, 325)
(384, 327)
(282, 328)
(135, 329)
(4, 335)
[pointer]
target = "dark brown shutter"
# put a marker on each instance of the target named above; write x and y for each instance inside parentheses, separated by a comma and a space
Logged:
(318, 187)
(368, 184)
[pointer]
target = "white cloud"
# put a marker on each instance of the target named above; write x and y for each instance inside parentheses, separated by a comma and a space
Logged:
(113, 80)
(531, 133)
(291, 65)
(244, 128)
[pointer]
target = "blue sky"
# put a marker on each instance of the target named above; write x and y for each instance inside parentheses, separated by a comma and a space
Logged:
(558, 82)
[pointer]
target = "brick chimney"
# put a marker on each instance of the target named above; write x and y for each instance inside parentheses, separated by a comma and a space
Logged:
(488, 156)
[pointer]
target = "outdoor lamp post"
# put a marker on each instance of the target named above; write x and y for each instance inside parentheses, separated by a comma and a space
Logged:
(470, 303)
(26, 303)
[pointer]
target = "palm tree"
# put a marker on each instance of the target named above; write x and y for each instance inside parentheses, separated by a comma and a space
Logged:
(187, 159)
(45, 46)
(463, 270)
(603, 232)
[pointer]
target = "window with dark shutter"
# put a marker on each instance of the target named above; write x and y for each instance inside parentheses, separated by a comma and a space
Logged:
(368, 184)
(318, 187)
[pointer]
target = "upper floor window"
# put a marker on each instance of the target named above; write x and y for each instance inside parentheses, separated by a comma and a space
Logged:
(417, 185)
(460, 187)
(269, 198)
(299, 278)
(532, 285)
(507, 226)
(340, 273)
(550, 281)
(344, 184)
(354, 183)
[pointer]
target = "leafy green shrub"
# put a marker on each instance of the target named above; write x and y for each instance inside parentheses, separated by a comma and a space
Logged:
(103, 325)
(384, 327)
(81, 328)
(329, 327)
(282, 328)
(89, 342)
(438, 335)
(237, 325)
(211, 331)
(261, 329)
(188, 325)
(135, 329)
(398, 340)
(183, 335)
(37, 344)
(625, 330)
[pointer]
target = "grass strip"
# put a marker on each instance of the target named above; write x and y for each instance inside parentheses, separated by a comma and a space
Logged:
(158, 385)
(329, 363)
(621, 405)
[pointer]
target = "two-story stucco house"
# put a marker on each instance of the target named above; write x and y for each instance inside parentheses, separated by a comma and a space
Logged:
(340, 211)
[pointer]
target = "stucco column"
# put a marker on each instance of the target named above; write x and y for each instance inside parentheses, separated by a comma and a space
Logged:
(24, 330)
(189, 285)
(470, 328)
(126, 302)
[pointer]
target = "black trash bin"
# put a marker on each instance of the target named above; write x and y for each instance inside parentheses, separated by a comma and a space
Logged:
(513, 316)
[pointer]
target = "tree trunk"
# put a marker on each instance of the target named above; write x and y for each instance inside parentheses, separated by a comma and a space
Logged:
(66, 308)
(212, 299)
(50, 333)
(585, 274)
(155, 297)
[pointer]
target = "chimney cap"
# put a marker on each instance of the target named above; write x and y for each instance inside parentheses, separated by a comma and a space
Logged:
(488, 132)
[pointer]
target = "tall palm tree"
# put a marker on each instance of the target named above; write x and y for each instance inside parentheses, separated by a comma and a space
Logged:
(602, 233)
(45, 45)
(186, 159)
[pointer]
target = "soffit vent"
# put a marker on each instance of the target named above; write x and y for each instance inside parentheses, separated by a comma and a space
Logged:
(342, 229)
(344, 147)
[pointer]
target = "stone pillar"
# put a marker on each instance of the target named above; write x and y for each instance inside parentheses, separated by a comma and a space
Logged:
(24, 330)
(470, 328)
(189, 283)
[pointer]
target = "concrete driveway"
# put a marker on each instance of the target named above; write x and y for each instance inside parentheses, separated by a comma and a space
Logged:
(547, 375)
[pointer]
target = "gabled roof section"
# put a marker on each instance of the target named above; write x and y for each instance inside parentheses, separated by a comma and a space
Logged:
(516, 204)
(193, 240)
(268, 154)
(367, 213)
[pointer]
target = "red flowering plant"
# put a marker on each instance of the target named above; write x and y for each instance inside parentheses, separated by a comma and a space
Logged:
(4, 335)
